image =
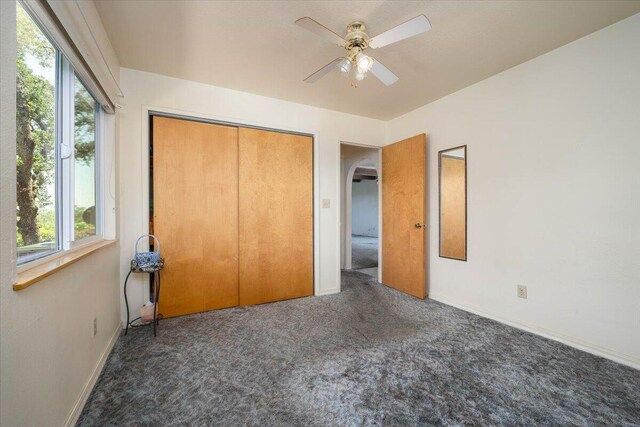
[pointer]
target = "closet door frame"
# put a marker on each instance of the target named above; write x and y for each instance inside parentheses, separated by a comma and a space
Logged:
(147, 136)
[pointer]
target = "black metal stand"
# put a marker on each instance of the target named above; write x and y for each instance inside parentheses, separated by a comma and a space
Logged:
(156, 298)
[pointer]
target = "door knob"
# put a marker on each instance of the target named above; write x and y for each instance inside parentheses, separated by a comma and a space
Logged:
(419, 225)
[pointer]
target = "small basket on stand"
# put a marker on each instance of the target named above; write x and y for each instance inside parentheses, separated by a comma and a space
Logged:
(146, 262)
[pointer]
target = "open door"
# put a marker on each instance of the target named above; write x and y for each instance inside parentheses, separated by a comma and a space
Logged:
(404, 216)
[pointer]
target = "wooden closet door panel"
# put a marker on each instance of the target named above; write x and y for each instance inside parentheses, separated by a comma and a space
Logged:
(276, 216)
(404, 216)
(195, 182)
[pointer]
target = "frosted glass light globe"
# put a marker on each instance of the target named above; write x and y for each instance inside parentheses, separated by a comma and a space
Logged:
(345, 66)
(364, 64)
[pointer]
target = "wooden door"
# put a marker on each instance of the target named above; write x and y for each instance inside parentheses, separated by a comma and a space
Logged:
(404, 216)
(276, 216)
(195, 196)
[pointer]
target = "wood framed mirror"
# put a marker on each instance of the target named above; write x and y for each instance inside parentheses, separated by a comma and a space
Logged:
(452, 171)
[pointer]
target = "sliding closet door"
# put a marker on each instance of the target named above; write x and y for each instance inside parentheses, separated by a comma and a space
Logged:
(276, 216)
(195, 196)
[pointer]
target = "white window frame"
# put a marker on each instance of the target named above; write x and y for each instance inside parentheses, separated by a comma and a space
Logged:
(68, 161)
(65, 163)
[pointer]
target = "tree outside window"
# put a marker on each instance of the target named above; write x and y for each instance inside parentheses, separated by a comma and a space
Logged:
(44, 180)
(35, 139)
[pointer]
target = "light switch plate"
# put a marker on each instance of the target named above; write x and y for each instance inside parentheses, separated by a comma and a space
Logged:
(326, 203)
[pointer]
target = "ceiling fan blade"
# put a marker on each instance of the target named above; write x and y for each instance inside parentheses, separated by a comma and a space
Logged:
(323, 71)
(383, 74)
(413, 27)
(319, 29)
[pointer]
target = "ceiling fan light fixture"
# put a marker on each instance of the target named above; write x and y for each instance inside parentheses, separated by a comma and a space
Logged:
(357, 64)
(364, 64)
(345, 66)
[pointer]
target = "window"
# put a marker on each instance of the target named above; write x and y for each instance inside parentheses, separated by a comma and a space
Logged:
(84, 135)
(57, 154)
(37, 62)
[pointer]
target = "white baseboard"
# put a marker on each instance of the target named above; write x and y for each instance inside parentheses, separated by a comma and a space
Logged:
(88, 388)
(574, 342)
(328, 292)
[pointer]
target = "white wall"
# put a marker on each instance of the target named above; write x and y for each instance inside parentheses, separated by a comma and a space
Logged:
(364, 208)
(146, 91)
(552, 202)
(48, 354)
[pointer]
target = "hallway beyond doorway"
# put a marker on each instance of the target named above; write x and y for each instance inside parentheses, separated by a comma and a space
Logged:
(365, 254)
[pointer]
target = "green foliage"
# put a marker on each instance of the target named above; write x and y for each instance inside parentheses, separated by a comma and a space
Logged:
(84, 124)
(82, 228)
(47, 226)
(35, 138)
(38, 94)
(35, 99)
(31, 40)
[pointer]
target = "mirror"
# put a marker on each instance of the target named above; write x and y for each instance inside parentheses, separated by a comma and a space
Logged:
(452, 167)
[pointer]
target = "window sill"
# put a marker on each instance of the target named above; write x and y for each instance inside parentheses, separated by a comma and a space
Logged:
(33, 275)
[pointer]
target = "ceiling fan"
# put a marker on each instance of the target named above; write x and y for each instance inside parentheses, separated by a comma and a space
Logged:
(356, 63)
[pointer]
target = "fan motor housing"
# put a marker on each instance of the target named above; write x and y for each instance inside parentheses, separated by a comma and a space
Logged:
(356, 36)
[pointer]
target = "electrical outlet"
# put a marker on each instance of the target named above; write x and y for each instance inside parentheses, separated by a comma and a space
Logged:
(522, 291)
(95, 326)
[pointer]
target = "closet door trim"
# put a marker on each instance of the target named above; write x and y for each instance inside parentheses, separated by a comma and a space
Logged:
(226, 123)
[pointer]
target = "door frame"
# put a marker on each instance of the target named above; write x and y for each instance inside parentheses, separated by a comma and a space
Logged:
(147, 134)
(347, 191)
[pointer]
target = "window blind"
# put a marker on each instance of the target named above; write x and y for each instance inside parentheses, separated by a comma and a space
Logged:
(52, 26)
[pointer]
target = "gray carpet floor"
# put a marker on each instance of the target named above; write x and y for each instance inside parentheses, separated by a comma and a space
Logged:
(364, 252)
(367, 356)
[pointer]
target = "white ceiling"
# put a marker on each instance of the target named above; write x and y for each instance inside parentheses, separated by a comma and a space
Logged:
(254, 46)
